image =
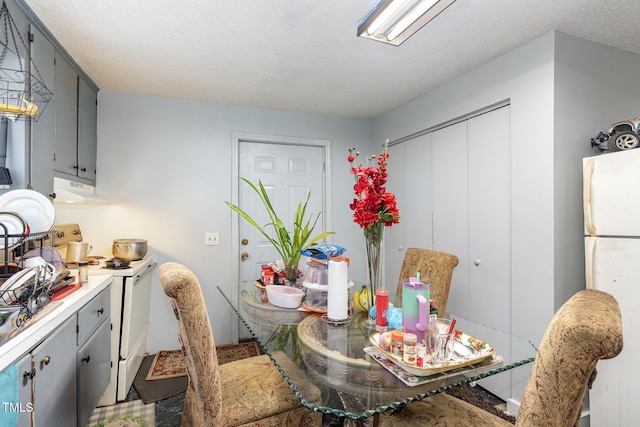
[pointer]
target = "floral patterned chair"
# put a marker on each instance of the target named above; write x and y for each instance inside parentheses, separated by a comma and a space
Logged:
(587, 328)
(247, 392)
(434, 266)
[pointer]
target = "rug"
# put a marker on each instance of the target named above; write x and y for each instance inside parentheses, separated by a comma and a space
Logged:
(167, 364)
(159, 389)
(171, 364)
(127, 414)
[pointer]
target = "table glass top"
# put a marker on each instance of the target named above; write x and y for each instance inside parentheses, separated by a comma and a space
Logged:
(333, 358)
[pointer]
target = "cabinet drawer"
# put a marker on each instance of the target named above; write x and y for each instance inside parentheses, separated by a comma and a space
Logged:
(93, 314)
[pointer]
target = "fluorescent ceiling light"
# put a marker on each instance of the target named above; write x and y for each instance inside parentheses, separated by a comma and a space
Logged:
(394, 21)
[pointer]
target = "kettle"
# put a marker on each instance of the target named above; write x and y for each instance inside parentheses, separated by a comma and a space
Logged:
(77, 251)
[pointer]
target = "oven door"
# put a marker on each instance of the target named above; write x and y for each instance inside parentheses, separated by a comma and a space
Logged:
(135, 314)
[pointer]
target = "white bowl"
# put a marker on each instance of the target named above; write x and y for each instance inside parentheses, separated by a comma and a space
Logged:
(285, 296)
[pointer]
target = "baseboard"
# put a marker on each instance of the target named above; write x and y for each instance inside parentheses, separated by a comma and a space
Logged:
(513, 406)
(585, 420)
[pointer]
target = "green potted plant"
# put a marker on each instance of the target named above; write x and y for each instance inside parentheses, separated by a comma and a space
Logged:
(287, 243)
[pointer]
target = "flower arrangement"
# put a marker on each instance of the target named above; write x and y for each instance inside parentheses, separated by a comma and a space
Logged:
(373, 208)
(373, 204)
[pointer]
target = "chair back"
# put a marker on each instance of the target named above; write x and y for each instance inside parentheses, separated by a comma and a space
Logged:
(203, 400)
(587, 328)
(434, 266)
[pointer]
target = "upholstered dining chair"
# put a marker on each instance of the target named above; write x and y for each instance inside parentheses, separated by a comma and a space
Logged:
(247, 392)
(587, 328)
(434, 266)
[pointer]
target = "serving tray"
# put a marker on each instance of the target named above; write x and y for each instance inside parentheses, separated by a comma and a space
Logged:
(467, 350)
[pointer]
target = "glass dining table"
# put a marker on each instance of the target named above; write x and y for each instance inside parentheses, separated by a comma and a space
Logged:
(355, 380)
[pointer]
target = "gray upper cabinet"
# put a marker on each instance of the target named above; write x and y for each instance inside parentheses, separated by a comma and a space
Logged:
(75, 124)
(43, 54)
(87, 130)
(66, 134)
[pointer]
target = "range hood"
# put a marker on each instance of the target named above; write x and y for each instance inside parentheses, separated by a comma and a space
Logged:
(71, 192)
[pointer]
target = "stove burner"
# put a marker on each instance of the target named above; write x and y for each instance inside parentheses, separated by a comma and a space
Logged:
(120, 267)
(116, 264)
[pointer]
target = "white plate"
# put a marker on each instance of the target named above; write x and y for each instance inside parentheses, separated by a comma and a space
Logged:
(36, 209)
(15, 225)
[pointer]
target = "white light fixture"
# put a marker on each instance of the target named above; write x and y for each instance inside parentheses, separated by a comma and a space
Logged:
(394, 21)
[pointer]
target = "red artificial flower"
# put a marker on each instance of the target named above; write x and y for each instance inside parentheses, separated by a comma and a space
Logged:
(373, 203)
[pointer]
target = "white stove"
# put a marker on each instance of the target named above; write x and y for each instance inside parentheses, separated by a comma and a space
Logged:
(130, 293)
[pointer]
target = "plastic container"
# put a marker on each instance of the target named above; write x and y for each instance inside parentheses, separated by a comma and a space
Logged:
(83, 272)
(397, 342)
(382, 305)
(410, 350)
(285, 296)
(316, 281)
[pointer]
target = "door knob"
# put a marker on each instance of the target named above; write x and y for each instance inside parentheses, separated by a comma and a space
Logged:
(46, 360)
(244, 242)
(244, 256)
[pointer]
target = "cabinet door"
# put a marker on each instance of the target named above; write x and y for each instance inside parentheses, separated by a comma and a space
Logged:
(43, 54)
(55, 379)
(87, 131)
(66, 118)
(25, 406)
(451, 208)
(94, 370)
(489, 142)
(395, 236)
(410, 180)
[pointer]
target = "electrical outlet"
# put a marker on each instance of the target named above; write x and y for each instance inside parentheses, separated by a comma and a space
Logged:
(212, 239)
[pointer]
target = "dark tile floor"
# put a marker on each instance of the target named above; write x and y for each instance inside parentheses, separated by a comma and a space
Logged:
(168, 411)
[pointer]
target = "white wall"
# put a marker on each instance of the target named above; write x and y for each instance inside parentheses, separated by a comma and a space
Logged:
(595, 85)
(166, 166)
(525, 77)
(563, 91)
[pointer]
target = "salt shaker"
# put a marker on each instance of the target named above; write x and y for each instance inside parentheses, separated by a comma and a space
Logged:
(83, 272)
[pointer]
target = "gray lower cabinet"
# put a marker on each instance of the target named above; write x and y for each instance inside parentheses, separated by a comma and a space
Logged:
(94, 369)
(51, 373)
(62, 379)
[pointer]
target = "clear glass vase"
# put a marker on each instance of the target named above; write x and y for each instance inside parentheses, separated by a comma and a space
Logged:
(373, 245)
(291, 268)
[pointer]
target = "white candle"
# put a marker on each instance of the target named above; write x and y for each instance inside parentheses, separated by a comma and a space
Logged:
(338, 292)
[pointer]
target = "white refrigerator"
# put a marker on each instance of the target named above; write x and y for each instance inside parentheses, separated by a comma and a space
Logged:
(611, 198)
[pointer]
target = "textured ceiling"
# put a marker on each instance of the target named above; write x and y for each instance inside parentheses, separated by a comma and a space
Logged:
(303, 55)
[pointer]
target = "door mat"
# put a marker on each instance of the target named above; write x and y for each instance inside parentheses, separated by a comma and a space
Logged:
(167, 364)
(152, 390)
(171, 364)
(127, 414)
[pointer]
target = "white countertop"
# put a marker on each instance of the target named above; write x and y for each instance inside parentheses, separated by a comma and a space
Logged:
(43, 323)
